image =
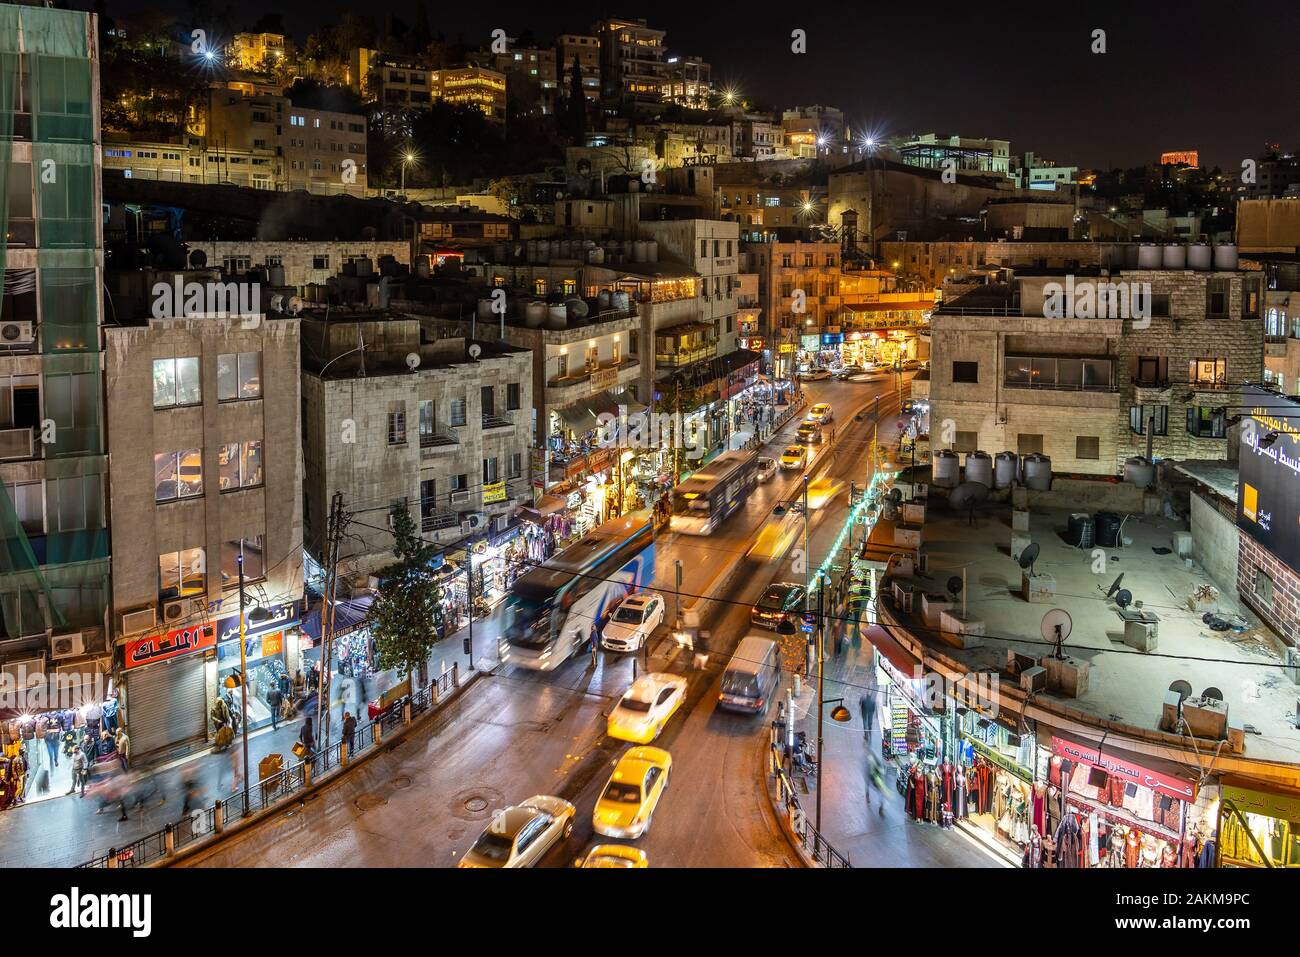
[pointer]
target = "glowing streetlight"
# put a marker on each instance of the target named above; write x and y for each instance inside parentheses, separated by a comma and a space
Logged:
(407, 158)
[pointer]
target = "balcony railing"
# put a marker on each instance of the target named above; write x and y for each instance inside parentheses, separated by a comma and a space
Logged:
(684, 357)
(436, 520)
(497, 422)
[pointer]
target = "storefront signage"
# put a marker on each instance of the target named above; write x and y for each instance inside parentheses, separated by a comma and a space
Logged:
(811, 343)
(1161, 783)
(603, 379)
(753, 343)
(576, 467)
(280, 616)
(268, 645)
(494, 492)
(785, 347)
(1281, 807)
(600, 460)
(832, 338)
(182, 641)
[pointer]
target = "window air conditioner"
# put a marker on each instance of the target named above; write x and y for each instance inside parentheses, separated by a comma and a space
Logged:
(17, 333)
(67, 646)
(135, 622)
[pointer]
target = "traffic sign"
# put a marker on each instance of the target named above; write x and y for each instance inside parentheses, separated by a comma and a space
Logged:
(808, 622)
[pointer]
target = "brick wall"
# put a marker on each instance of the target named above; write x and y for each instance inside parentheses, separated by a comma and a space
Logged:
(1283, 615)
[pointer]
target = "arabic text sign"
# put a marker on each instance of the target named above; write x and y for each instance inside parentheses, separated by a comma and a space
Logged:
(182, 641)
(1160, 783)
(280, 616)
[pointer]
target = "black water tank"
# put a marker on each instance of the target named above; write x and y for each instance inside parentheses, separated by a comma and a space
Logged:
(1108, 526)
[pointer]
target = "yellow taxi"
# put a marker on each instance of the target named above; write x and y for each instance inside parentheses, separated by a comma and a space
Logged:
(823, 490)
(794, 457)
(614, 855)
(775, 537)
(646, 707)
(626, 806)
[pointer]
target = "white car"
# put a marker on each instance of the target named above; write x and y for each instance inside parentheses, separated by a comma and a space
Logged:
(821, 413)
(646, 707)
(519, 836)
(633, 622)
(766, 468)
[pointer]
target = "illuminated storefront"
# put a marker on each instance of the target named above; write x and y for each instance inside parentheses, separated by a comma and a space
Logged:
(270, 648)
(1258, 828)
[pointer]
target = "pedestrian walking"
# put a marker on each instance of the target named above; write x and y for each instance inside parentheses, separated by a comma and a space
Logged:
(349, 730)
(307, 739)
(867, 704)
(79, 773)
(273, 701)
(875, 782)
(123, 745)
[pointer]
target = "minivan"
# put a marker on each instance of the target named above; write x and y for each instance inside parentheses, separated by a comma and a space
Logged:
(751, 677)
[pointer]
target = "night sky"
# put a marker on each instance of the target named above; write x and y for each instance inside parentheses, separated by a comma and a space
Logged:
(1223, 78)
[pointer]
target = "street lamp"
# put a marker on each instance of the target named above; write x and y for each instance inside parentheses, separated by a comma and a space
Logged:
(407, 157)
(240, 680)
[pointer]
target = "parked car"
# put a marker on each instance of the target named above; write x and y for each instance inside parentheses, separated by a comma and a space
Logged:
(519, 836)
(794, 457)
(627, 805)
(645, 707)
(766, 468)
(783, 601)
(614, 855)
(633, 621)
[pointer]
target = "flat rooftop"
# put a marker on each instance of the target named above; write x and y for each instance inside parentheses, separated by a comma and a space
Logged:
(1125, 685)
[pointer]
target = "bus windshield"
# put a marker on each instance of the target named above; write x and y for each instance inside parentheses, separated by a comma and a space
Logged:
(529, 618)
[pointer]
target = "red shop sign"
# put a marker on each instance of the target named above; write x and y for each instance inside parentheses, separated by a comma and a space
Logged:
(1161, 783)
(182, 641)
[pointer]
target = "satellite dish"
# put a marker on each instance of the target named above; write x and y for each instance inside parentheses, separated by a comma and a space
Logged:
(277, 302)
(1029, 555)
(295, 305)
(1123, 598)
(413, 361)
(1183, 688)
(1056, 628)
(198, 259)
(1114, 586)
(954, 585)
(968, 495)
(1212, 693)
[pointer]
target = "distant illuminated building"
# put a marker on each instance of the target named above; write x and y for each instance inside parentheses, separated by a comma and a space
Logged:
(1180, 158)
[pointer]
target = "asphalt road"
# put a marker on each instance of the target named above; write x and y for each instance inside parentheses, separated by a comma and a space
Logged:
(515, 733)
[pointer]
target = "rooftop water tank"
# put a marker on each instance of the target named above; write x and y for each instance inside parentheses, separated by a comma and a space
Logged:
(603, 299)
(1148, 256)
(1199, 256)
(979, 468)
(1225, 256)
(1131, 255)
(1174, 256)
(652, 251)
(622, 301)
(1037, 472)
(1081, 530)
(557, 316)
(946, 468)
(484, 309)
(1006, 469)
(535, 314)
(275, 275)
(641, 251)
(1108, 529)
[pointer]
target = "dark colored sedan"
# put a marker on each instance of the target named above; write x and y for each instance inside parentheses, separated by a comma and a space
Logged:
(783, 601)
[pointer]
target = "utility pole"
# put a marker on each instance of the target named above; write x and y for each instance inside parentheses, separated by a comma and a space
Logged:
(469, 599)
(337, 522)
(821, 693)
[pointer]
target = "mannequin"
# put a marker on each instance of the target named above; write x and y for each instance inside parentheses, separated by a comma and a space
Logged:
(1132, 848)
(1040, 808)
(959, 794)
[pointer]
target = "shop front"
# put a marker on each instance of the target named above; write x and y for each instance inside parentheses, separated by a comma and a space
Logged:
(166, 688)
(1257, 828)
(271, 650)
(911, 730)
(1107, 808)
(996, 762)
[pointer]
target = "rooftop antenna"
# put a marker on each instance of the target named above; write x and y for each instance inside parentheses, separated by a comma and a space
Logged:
(1028, 556)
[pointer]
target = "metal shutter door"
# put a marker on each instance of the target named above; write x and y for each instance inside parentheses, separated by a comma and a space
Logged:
(166, 705)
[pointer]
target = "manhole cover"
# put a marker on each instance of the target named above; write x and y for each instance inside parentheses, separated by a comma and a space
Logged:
(368, 802)
(401, 781)
(476, 804)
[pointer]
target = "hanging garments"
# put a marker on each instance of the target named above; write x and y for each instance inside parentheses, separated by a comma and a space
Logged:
(1094, 852)
(933, 797)
(1132, 848)
(1040, 808)
(959, 794)
(916, 794)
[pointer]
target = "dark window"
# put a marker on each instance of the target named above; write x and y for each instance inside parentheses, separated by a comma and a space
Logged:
(1139, 414)
(966, 442)
(1263, 588)
(965, 372)
(1028, 442)
(488, 400)
(1087, 447)
(1216, 298)
(1152, 371)
(1205, 423)
(512, 395)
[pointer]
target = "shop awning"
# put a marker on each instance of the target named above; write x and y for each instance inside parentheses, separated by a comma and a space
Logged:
(583, 416)
(891, 650)
(349, 613)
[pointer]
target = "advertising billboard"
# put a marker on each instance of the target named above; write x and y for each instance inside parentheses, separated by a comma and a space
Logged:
(1268, 499)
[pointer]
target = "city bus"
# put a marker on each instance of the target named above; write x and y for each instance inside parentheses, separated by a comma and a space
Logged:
(706, 499)
(557, 607)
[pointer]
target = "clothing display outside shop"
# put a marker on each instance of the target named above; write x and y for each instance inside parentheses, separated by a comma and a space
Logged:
(1258, 828)
(36, 751)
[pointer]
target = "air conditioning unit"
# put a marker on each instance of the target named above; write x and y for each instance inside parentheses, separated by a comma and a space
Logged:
(174, 611)
(17, 333)
(67, 646)
(22, 670)
(502, 522)
(460, 498)
(473, 522)
(136, 622)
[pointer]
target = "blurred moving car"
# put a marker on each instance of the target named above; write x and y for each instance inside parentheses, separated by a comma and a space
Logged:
(815, 375)
(775, 537)
(766, 468)
(614, 855)
(821, 413)
(520, 835)
(822, 490)
(633, 621)
(627, 805)
(783, 601)
(794, 457)
(849, 371)
(645, 708)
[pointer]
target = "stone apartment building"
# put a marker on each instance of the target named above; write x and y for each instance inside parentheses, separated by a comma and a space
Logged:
(1007, 375)
(204, 425)
(410, 419)
(303, 262)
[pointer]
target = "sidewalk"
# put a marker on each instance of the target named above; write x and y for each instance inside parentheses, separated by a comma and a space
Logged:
(66, 831)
